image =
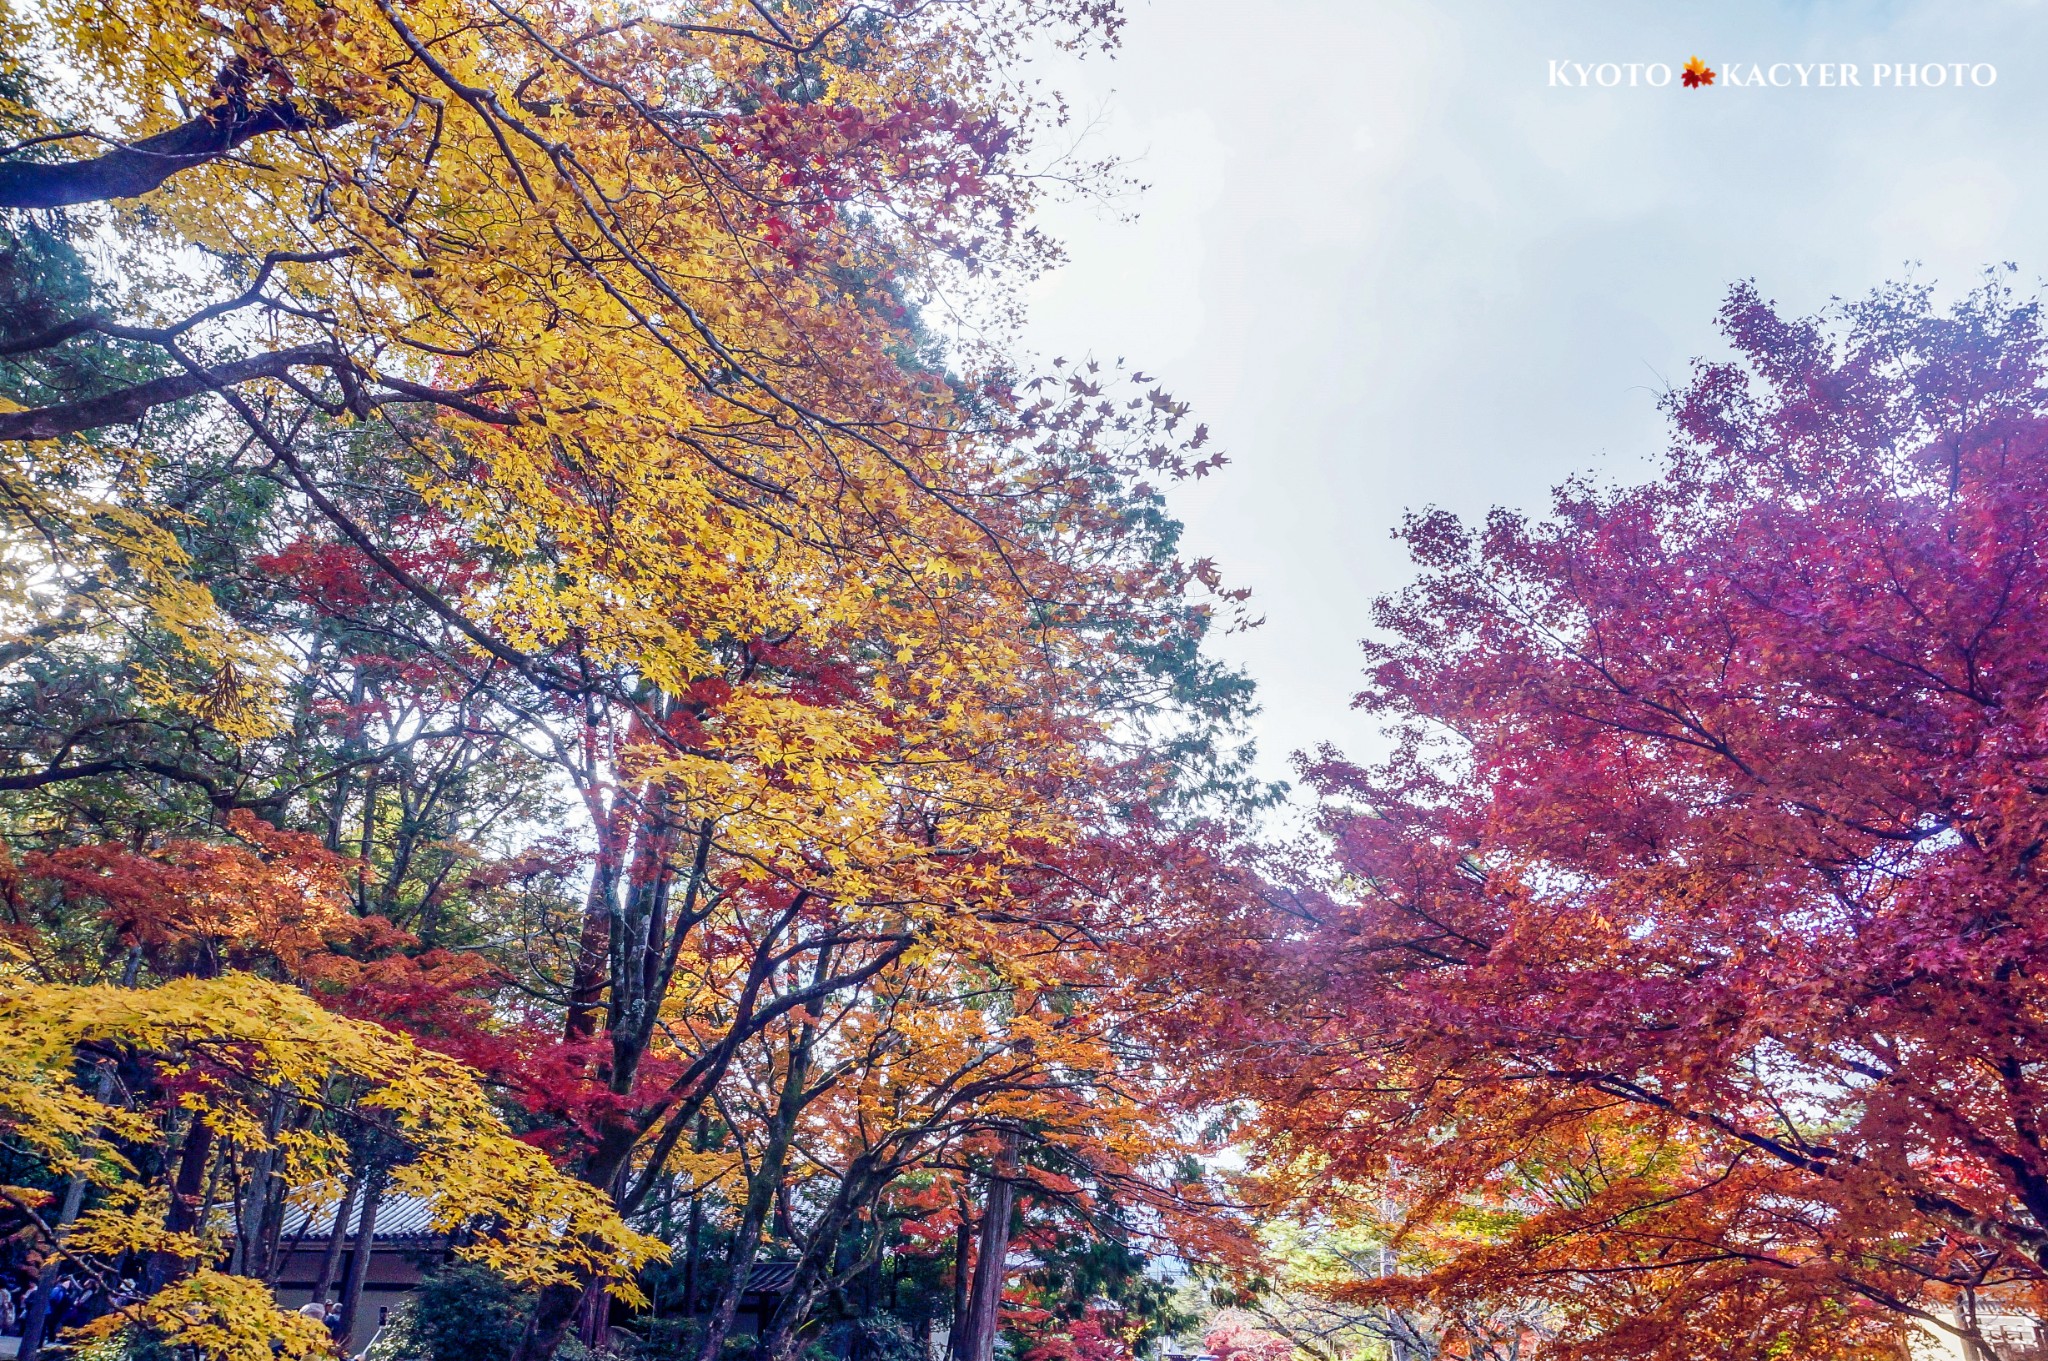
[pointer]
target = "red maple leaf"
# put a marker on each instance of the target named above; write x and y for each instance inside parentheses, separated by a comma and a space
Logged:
(1696, 74)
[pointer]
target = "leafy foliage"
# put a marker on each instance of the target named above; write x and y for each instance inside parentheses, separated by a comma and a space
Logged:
(229, 1317)
(1678, 975)
(540, 590)
(1234, 1335)
(459, 1311)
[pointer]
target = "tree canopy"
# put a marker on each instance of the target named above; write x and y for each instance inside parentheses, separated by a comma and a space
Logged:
(1678, 975)
(496, 548)
(557, 663)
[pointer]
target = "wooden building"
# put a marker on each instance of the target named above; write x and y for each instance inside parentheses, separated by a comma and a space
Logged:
(405, 1247)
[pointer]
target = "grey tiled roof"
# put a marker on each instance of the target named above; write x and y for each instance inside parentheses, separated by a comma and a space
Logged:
(771, 1277)
(408, 1221)
(400, 1219)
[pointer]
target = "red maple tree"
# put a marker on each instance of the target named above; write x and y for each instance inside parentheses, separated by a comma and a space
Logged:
(1691, 944)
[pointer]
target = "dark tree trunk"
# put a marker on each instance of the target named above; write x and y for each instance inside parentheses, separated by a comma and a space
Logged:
(780, 1338)
(740, 1259)
(359, 1260)
(35, 1323)
(337, 1237)
(963, 1262)
(124, 406)
(555, 1311)
(552, 1314)
(249, 1259)
(128, 171)
(367, 841)
(594, 1316)
(985, 1298)
(351, 748)
(270, 1235)
(186, 1191)
(785, 1221)
(693, 1253)
(275, 1251)
(593, 948)
(761, 1189)
(641, 950)
(818, 1270)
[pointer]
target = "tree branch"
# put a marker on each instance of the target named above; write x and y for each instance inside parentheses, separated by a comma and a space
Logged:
(130, 404)
(141, 166)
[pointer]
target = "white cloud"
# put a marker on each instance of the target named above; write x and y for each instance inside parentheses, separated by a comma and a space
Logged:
(1392, 267)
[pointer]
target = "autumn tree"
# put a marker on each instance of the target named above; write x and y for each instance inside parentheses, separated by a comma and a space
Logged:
(101, 1080)
(558, 428)
(1315, 1251)
(1678, 978)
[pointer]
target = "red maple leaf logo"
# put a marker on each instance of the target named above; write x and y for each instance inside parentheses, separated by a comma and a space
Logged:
(1697, 73)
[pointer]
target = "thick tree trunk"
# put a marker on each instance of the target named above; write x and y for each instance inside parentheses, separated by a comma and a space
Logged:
(35, 1323)
(359, 1260)
(248, 1251)
(782, 1338)
(963, 1263)
(337, 1237)
(559, 1307)
(366, 841)
(125, 406)
(693, 1257)
(785, 1220)
(594, 1316)
(351, 748)
(128, 171)
(636, 942)
(552, 1314)
(587, 975)
(187, 1189)
(785, 1340)
(555, 1310)
(867, 1290)
(761, 1189)
(985, 1299)
(819, 1270)
(739, 1261)
(270, 1235)
(693, 1253)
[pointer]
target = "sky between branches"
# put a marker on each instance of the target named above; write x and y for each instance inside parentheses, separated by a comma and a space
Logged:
(1392, 266)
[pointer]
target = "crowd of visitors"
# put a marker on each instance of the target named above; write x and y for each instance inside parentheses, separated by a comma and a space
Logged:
(76, 1300)
(329, 1316)
(73, 1300)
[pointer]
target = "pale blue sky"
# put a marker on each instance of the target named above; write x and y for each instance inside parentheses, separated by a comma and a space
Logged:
(1391, 266)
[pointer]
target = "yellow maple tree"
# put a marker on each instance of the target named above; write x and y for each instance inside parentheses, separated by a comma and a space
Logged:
(218, 1051)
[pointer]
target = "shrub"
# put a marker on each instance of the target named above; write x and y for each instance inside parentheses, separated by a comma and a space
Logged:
(461, 1312)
